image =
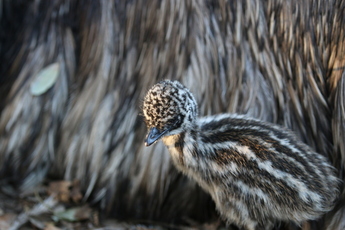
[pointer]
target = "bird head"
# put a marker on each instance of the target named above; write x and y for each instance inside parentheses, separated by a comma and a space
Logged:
(169, 109)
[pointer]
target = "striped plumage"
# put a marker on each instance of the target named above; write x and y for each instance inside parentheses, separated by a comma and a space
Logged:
(257, 173)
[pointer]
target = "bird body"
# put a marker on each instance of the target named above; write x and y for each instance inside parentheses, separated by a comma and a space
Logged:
(256, 172)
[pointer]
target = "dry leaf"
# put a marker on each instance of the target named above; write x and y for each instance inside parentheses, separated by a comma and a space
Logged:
(51, 226)
(61, 190)
(76, 195)
(6, 220)
(83, 213)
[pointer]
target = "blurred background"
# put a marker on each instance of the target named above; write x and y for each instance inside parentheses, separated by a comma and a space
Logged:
(73, 75)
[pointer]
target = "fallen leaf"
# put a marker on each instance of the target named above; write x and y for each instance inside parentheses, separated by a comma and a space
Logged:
(45, 79)
(83, 213)
(33, 214)
(76, 195)
(6, 220)
(51, 226)
(61, 190)
(73, 214)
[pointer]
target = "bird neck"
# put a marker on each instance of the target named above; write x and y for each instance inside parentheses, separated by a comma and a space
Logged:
(183, 147)
(188, 157)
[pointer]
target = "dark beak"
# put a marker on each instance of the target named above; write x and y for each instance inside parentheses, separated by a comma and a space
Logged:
(153, 135)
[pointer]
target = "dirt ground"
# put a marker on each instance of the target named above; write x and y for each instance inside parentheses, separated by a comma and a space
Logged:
(59, 205)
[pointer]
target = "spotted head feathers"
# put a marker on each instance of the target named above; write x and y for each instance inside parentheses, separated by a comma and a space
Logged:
(168, 108)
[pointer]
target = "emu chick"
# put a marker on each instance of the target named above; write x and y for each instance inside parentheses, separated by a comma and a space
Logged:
(256, 172)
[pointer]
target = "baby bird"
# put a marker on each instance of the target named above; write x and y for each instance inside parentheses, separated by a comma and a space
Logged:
(256, 172)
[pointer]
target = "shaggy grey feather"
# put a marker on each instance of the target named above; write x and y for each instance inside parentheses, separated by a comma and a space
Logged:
(278, 61)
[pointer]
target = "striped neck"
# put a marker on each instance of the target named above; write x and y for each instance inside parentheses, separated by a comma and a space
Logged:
(184, 147)
(189, 156)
